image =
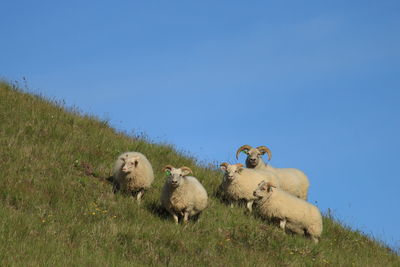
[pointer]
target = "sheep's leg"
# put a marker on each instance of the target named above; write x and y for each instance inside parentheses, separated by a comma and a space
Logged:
(314, 239)
(139, 196)
(250, 205)
(231, 205)
(282, 224)
(116, 187)
(176, 219)
(185, 217)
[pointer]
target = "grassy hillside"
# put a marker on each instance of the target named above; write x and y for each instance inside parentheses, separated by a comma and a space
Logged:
(57, 207)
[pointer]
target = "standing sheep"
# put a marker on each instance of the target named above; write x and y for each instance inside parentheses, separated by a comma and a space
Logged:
(291, 180)
(294, 214)
(239, 183)
(182, 195)
(133, 174)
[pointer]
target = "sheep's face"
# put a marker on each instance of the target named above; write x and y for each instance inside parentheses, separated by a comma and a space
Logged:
(231, 171)
(175, 176)
(129, 164)
(253, 157)
(263, 190)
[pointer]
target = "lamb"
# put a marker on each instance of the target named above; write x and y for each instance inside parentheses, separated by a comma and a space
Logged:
(182, 195)
(291, 180)
(132, 174)
(239, 183)
(294, 214)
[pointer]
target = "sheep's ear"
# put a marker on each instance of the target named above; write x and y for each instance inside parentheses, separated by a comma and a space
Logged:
(224, 166)
(240, 169)
(186, 170)
(167, 169)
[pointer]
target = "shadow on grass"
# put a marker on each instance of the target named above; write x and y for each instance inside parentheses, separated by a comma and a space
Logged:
(221, 197)
(115, 185)
(158, 210)
(111, 179)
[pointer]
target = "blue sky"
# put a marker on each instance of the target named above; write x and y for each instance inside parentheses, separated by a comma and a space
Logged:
(318, 82)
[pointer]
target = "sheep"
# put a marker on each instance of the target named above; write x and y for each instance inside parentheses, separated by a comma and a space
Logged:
(291, 180)
(182, 195)
(294, 214)
(132, 174)
(239, 183)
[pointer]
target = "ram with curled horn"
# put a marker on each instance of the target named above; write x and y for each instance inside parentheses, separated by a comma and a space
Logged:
(291, 180)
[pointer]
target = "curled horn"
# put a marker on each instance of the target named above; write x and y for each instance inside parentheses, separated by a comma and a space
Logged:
(265, 149)
(244, 147)
(240, 165)
(167, 167)
(184, 168)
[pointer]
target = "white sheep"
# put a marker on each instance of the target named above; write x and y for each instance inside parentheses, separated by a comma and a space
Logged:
(291, 180)
(133, 173)
(239, 183)
(182, 195)
(294, 214)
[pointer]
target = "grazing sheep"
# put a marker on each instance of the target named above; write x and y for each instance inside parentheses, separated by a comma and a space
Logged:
(294, 214)
(239, 183)
(132, 174)
(291, 180)
(182, 195)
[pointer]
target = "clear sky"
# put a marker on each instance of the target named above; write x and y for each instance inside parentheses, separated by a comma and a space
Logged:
(318, 82)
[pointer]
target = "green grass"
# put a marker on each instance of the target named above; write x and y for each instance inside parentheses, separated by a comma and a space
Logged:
(57, 207)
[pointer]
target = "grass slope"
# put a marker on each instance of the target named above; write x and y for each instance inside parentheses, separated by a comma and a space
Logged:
(57, 208)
